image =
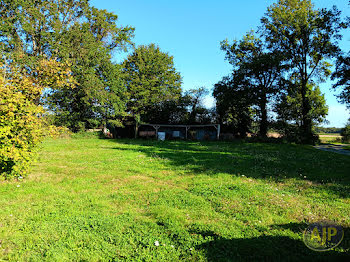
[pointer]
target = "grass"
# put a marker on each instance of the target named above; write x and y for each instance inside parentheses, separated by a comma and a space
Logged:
(90, 199)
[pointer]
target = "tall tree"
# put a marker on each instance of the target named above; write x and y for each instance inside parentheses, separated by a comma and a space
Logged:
(233, 105)
(260, 68)
(100, 93)
(65, 30)
(151, 79)
(308, 37)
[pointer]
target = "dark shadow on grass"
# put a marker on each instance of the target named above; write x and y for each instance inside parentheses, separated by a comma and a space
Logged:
(269, 248)
(266, 248)
(257, 160)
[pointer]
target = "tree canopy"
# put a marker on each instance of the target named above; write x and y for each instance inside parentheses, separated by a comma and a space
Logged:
(150, 79)
(73, 32)
(342, 74)
(233, 105)
(308, 38)
(260, 69)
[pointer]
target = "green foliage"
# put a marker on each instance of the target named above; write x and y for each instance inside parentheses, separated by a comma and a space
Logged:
(327, 130)
(20, 130)
(233, 105)
(21, 125)
(86, 135)
(290, 115)
(58, 132)
(187, 109)
(76, 32)
(93, 123)
(198, 114)
(100, 93)
(260, 69)
(169, 112)
(345, 133)
(151, 80)
(342, 74)
(307, 37)
(289, 107)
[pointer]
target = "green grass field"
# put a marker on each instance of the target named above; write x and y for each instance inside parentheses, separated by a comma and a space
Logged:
(90, 199)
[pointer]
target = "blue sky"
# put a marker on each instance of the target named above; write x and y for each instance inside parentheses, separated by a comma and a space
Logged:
(191, 31)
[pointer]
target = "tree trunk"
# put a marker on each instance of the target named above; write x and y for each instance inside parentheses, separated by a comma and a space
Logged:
(306, 125)
(263, 122)
(136, 128)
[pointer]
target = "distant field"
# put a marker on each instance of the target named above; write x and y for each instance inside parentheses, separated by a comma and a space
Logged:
(329, 134)
(324, 137)
(90, 199)
(330, 138)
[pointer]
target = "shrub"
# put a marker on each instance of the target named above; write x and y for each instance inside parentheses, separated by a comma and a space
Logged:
(93, 123)
(293, 133)
(58, 132)
(80, 126)
(21, 122)
(87, 135)
(20, 129)
(345, 133)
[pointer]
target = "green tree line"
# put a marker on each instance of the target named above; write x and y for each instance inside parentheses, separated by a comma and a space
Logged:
(279, 66)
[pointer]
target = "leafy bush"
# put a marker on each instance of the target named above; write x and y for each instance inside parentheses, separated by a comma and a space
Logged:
(87, 135)
(20, 128)
(93, 123)
(58, 132)
(21, 122)
(345, 133)
(80, 126)
(292, 133)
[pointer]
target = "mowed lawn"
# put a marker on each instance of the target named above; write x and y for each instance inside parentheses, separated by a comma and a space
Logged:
(90, 199)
